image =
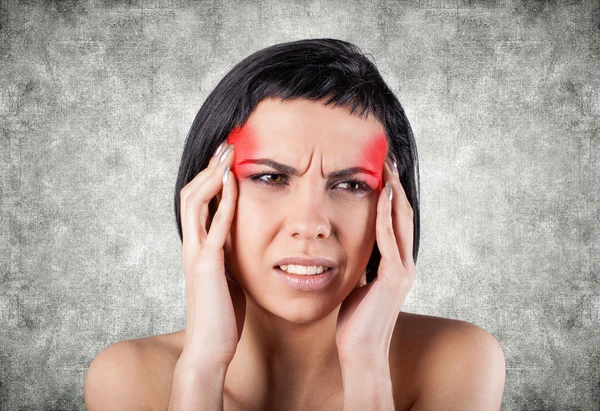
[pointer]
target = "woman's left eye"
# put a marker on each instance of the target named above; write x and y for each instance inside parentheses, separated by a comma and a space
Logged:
(361, 185)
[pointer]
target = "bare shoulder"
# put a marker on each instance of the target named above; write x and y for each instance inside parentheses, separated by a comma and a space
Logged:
(448, 364)
(132, 375)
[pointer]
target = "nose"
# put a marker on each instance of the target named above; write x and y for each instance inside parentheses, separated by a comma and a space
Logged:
(307, 212)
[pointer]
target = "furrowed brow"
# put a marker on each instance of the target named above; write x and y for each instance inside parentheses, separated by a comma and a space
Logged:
(284, 168)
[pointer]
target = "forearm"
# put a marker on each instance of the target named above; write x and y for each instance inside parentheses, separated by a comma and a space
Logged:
(368, 387)
(197, 388)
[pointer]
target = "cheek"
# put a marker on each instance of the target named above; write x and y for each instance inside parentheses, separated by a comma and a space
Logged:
(358, 223)
(356, 234)
(250, 214)
(254, 200)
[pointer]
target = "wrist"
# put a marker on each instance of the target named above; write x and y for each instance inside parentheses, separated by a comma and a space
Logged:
(364, 361)
(197, 387)
(210, 359)
(191, 378)
(367, 385)
(378, 369)
(198, 367)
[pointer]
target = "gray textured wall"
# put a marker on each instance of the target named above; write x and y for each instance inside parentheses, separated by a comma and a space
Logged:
(95, 103)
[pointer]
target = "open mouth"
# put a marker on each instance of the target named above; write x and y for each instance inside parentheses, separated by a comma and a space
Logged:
(307, 282)
(304, 271)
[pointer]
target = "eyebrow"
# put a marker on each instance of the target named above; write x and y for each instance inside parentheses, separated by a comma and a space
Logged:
(284, 168)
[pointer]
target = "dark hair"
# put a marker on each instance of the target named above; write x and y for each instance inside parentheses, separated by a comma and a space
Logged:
(311, 69)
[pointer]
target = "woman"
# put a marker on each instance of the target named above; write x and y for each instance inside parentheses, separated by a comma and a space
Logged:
(298, 209)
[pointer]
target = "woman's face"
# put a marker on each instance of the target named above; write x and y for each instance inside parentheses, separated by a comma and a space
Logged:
(309, 214)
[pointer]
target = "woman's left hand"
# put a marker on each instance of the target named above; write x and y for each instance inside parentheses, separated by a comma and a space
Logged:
(368, 315)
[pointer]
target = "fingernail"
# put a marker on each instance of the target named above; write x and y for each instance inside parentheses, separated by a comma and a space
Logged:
(388, 187)
(224, 155)
(392, 165)
(225, 175)
(219, 149)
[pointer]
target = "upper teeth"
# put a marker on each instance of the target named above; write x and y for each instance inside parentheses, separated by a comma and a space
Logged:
(303, 269)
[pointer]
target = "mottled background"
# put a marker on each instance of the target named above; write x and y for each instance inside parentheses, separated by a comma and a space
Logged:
(96, 99)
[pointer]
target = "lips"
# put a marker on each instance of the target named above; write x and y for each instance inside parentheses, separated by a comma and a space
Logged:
(316, 282)
(325, 269)
(307, 261)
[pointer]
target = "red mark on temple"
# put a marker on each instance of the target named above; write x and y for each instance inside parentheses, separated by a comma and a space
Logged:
(374, 156)
(245, 146)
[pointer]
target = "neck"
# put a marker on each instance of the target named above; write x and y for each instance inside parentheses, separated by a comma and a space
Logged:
(276, 358)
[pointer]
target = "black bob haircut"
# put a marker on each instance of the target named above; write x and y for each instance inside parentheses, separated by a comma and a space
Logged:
(310, 69)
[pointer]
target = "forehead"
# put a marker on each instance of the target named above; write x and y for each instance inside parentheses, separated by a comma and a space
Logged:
(299, 124)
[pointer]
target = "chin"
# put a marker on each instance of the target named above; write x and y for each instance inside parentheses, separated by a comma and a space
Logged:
(297, 310)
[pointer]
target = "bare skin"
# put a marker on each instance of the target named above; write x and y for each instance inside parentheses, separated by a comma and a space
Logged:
(286, 355)
(423, 348)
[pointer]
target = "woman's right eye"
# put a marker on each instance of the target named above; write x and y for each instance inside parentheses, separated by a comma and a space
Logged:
(258, 178)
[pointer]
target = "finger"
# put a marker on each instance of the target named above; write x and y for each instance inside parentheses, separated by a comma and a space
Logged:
(402, 217)
(213, 162)
(196, 206)
(199, 179)
(221, 224)
(384, 231)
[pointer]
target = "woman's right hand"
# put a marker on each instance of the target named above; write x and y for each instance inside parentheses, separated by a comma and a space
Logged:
(211, 334)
